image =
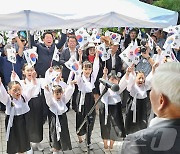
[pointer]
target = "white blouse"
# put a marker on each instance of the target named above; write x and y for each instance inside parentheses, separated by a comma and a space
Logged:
(20, 107)
(15, 107)
(50, 79)
(39, 84)
(59, 107)
(138, 92)
(86, 85)
(111, 97)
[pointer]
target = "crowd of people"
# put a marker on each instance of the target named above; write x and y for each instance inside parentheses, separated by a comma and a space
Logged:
(30, 95)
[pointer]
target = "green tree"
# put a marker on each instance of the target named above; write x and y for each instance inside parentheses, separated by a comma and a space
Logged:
(173, 5)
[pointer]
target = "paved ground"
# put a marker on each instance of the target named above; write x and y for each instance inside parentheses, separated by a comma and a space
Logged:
(96, 138)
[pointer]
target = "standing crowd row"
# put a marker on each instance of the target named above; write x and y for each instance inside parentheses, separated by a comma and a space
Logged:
(47, 90)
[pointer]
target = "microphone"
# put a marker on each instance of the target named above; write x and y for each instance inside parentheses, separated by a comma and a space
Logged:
(106, 83)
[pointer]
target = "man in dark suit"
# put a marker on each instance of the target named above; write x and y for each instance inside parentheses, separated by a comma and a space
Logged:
(45, 52)
(66, 53)
(163, 134)
(71, 50)
(114, 62)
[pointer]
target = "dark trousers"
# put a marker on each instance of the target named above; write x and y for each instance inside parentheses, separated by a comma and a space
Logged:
(2, 107)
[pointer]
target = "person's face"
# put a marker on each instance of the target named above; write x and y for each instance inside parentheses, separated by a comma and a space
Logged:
(57, 95)
(28, 72)
(140, 79)
(72, 43)
(92, 51)
(48, 40)
(15, 91)
(87, 71)
(13, 41)
(114, 48)
(133, 35)
(154, 97)
(157, 34)
(113, 80)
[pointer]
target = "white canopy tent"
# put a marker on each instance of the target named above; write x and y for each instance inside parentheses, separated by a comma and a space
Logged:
(29, 20)
(84, 13)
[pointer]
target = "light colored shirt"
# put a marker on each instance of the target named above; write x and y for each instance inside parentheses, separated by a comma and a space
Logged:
(59, 107)
(111, 97)
(73, 53)
(86, 85)
(156, 120)
(113, 57)
(20, 107)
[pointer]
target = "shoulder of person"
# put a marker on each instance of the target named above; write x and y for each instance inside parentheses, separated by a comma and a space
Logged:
(65, 49)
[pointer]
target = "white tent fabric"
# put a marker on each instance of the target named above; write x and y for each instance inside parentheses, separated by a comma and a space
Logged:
(124, 13)
(29, 20)
(87, 14)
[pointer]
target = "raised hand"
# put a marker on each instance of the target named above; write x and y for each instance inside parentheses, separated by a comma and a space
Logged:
(50, 69)
(158, 49)
(105, 72)
(73, 82)
(13, 75)
(97, 53)
(154, 67)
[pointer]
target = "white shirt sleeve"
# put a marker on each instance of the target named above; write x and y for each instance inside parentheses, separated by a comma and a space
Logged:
(131, 81)
(42, 82)
(48, 96)
(71, 76)
(69, 92)
(148, 81)
(16, 78)
(101, 87)
(123, 84)
(29, 92)
(95, 68)
(3, 95)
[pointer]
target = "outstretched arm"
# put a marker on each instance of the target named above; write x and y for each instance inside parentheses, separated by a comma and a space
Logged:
(21, 46)
(3, 94)
(96, 65)
(69, 91)
(60, 44)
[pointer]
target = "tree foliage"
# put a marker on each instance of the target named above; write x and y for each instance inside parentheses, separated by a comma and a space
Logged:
(173, 5)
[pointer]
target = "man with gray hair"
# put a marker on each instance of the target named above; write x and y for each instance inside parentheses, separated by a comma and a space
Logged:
(163, 133)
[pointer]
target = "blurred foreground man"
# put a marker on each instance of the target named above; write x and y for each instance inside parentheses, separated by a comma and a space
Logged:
(163, 134)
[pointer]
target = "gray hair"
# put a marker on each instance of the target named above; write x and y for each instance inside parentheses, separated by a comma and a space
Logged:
(166, 80)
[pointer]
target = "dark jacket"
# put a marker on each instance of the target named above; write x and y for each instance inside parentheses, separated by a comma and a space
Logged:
(118, 63)
(162, 138)
(64, 57)
(45, 55)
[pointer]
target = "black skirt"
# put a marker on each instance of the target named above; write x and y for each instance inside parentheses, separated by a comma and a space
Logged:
(34, 120)
(141, 116)
(18, 138)
(88, 104)
(65, 142)
(114, 129)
